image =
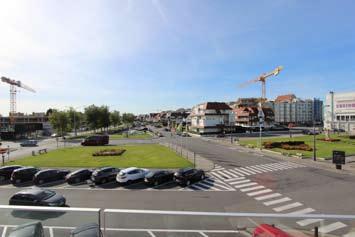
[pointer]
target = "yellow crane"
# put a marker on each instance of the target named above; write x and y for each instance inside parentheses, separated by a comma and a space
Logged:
(262, 78)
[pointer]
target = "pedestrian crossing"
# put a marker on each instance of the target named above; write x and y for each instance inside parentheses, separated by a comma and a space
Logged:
(280, 203)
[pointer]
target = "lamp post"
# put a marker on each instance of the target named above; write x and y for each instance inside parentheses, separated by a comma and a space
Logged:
(314, 131)
(261, 117)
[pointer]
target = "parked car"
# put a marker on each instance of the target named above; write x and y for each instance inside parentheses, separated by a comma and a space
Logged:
(157, 177)
(28, 143)
(265, 230)
(97, 140)
(87, 230)
(104, 175)
(49, 175)
(130, 175)
(310, 132)
(187, 176)
(185, 134)
(78, 176)
(221, 135)
(23, 174)
(32, 229)
(6, 171)
(37, 197)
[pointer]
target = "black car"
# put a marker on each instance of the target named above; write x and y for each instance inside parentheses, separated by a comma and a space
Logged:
(87, 230)
(157, 177)
(32, 229)
(6, 171)
(78, 176)
(187, 176)
(49, 175)
(23, 174)
(104, 175)
(37, 197)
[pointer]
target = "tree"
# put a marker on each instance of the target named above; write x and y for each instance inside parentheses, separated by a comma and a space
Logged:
(92, 114)
(76, 118)
(60, 121)
(128, 118)
(104, 117)
(115, 118)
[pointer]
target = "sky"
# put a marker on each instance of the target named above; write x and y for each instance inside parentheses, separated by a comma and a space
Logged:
(144, 56)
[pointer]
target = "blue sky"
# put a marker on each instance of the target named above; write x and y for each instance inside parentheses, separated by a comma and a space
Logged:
(147, 55)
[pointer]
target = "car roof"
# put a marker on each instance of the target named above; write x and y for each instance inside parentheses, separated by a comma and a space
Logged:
(41, 171)
(33, 191)
(24, 168)
(87, 230)
(185, 169)
(129, 169)
(10, 166)
(24, 230)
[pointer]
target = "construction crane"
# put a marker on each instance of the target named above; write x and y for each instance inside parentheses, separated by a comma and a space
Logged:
(13, 84)
(262, 78)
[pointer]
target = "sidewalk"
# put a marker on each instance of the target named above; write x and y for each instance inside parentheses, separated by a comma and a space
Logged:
(348, 168)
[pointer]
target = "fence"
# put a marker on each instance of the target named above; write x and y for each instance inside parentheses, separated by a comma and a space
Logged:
(197, 160)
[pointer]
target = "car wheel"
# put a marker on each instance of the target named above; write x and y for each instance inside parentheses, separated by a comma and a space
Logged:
(188, 183)
(156, 183)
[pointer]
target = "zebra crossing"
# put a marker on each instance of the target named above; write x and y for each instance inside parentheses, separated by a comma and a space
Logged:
(282, 204)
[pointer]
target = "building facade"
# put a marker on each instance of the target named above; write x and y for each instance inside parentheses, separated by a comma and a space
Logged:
(339, 112)
(289, 109)
(212, 117)
(248, 117)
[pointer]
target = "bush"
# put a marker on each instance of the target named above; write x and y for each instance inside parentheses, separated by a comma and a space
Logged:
(109, 152)
(289, 145)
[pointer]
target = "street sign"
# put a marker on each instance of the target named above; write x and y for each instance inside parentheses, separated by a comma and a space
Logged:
(339, 157)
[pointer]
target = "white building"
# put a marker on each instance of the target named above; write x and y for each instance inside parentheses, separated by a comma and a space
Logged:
(340, 111)
(212, 117)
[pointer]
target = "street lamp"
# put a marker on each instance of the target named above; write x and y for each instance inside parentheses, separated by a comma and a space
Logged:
(314, 130)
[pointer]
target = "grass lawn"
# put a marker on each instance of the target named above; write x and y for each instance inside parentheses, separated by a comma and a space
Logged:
(147, 156)
(133, 136)
(324, 149)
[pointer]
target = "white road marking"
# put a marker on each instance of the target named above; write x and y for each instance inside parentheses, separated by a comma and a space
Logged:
(203, 234)
(259, 169)
(237, 173)
(288, 206)
(224, 175)
(269, 196)
(332, 227)
(204, 186)
(259, 192)
(234, 179)
(308, 221)
(245, 185)
(263, 168)
(217, 169)
(241, 171)
(4, 231)
(151, 234)
(252, 188)
(222, 186)
(277, 201)
(51, 232)
(229, 173)
(240, 181)
(302, 212)
(247, 171)
(217, 175)
(254, 170)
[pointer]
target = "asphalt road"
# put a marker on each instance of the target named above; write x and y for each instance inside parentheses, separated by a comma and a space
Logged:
(258, 183)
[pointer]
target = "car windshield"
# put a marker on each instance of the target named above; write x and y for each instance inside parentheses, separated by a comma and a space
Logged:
(151, 174)
(45, 194)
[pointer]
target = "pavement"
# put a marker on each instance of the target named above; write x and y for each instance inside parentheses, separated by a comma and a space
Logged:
(242, 180)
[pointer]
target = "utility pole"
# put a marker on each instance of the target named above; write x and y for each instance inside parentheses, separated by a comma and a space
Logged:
(314, 131)
(261, 117)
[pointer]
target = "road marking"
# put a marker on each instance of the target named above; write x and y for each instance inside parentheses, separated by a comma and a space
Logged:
(229, 173)
(204, 186)
(269, 196)
(151, 234)
(4, 231)
(222, 186)
(308, 221)
(234, 179)
(217, 169)
(217, 175)
(203, 234)
(252, 188)
(302, 212)
(241, 171)
(259, 192)
(264, 169)
(329, 228)
(224, 175)
(288, 206)
(246, 185)
(240, 181)
(247, 171)
(281, 200)
(51, 232)
(237, 173)
(254, 170)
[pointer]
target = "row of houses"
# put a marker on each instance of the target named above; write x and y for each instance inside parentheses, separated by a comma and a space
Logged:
(216, 117)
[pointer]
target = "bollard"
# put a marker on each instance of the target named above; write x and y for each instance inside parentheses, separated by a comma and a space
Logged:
(33, 153)
(316, 231)
(338, 166)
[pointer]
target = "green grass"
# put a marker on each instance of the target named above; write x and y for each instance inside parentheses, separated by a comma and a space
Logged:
(324, 149)
(133, 136)
(147, 156)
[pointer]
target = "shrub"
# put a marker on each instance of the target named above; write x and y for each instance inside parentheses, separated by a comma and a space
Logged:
(289, 145)
(109, 152)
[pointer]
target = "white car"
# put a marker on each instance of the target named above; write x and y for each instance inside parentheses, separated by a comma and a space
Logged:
(130, 175)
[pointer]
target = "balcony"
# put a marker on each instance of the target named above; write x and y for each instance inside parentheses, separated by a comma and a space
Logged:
(58, 222)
